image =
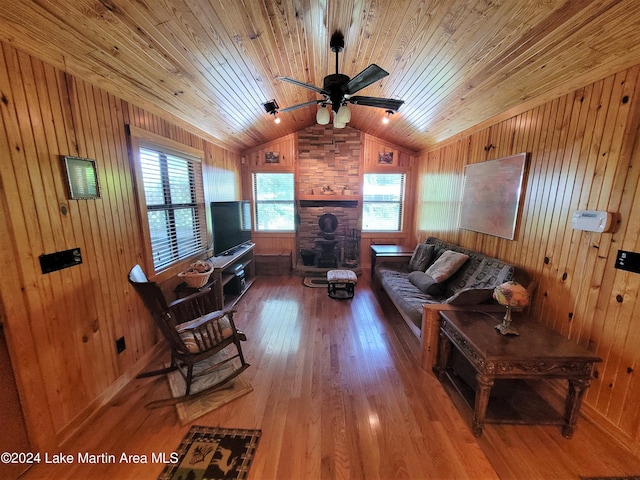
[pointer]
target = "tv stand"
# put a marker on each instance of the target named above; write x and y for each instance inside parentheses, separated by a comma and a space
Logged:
(236, 249)
(224, 272)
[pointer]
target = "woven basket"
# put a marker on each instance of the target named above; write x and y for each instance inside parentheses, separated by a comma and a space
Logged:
(195, 279)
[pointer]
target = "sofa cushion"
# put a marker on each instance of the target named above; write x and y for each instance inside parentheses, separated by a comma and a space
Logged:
(407, 298)
(425, 283)
(445, 266)
(480, 272)
(421, 258)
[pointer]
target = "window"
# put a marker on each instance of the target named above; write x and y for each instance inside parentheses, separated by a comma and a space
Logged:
(274, 200)
(175, 204)
(382, 199)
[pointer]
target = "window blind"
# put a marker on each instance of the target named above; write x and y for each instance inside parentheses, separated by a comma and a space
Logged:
(274, 199)
(175, 205)
(382, 202)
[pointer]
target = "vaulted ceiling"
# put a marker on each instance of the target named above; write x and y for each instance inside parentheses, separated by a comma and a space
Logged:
(212, 64)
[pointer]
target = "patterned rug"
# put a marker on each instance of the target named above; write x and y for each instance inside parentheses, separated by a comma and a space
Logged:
(208, 453)
(192, 409)
(315, 282)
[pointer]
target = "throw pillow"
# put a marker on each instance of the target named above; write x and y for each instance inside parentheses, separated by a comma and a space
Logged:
(425, 283)
(471, 296)
(215, 331)
(422, 256)
(189, 340)
(445, 266)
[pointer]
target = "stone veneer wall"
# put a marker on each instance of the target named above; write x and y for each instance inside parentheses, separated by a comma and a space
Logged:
(328, 157)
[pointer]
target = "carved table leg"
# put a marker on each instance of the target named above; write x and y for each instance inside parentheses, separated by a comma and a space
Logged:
(577, 388)
(444, 350)
(483, 391)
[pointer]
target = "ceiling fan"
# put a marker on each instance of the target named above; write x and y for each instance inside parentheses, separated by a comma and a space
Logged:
(338, 90)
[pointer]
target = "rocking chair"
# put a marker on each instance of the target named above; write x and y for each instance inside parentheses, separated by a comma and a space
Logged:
(193, 334)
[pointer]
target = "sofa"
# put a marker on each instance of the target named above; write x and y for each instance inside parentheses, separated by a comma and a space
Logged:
(419, 297)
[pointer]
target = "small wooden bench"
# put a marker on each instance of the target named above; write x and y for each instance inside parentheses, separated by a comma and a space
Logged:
(341, 283)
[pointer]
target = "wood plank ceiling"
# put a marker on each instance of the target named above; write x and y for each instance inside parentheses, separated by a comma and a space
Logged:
(214, 63)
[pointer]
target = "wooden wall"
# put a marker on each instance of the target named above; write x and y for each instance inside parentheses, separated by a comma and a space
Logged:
(403, 162)
(61, 327)
(253, 160)
(583, 155)
(288, 148)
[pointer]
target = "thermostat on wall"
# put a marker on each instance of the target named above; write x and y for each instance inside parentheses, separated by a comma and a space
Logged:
(592, 220)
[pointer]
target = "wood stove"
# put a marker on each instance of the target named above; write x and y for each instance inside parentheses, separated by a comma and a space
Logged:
(327, 257)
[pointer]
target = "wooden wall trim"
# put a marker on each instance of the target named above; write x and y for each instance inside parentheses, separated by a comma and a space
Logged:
(145, 135)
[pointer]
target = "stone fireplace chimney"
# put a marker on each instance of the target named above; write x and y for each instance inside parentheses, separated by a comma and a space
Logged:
(328, 184)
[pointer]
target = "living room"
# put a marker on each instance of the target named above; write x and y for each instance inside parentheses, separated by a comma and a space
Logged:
(581, 145)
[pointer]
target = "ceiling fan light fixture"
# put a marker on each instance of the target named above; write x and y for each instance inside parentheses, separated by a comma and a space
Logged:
(323, 117)
(276, 118)
(387, 117)
(337, 123)
(344, 114)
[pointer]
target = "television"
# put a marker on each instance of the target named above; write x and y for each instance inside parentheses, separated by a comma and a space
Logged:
(231, 223)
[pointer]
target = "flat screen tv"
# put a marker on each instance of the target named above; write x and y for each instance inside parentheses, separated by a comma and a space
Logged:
(231, 222)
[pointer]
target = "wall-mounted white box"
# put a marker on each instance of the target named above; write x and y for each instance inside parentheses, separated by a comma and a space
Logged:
(592, 221)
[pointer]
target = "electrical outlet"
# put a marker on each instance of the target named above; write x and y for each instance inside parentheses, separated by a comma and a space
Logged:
(120, 345)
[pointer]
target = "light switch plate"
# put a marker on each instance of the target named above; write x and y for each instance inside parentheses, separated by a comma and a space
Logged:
(51, 262)
(629, 261)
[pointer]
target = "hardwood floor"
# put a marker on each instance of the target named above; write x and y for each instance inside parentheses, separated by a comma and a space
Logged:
(338, 394)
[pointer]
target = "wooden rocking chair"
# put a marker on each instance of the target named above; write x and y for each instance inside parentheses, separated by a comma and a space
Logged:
(193, 334)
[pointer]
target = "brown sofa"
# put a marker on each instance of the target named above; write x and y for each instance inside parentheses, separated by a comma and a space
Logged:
(469, 288)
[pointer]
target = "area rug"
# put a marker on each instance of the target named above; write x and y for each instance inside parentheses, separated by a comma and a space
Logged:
(208, 453)
(315, 282)
(191, 409)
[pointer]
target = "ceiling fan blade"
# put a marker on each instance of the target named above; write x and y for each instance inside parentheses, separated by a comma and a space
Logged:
(302, 84)
(369, 75)
(300, 105)
(386, 103)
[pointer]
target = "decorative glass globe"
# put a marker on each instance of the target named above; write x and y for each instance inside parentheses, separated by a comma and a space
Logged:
(511, 295)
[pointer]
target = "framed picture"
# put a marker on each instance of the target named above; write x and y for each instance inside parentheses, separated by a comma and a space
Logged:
(491, 196)
(385, 158)
(82, 178)
(272, 157)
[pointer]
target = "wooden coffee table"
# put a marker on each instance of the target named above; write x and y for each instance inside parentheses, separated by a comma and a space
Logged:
(537, 353)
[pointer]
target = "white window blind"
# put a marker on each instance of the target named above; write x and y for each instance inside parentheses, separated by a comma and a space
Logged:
(382, 202)
(175, 205)
(274, 199)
